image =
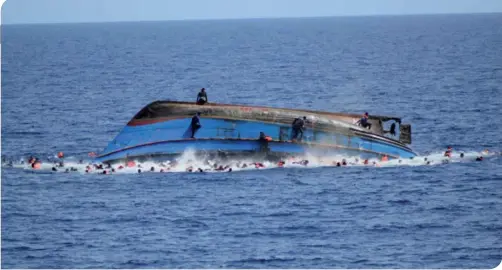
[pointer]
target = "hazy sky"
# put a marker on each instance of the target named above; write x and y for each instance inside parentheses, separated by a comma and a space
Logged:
(36, 11)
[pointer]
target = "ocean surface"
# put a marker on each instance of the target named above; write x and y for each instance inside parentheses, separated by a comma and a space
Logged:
(72, 87)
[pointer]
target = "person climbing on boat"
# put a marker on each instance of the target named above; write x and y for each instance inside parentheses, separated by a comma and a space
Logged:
(195, 125)
(364, 121)
(202, 97)
(392, 130)
(264, 139)
(447, 153)
(298, 126)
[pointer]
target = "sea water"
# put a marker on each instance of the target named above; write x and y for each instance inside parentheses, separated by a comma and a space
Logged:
(72, 87)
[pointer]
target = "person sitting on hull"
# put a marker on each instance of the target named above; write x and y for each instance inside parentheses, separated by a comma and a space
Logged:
(195, 125)
(363, 122)
(202, 97)
(298, 126)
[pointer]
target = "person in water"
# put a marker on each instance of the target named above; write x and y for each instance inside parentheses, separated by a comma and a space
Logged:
(195, 125)
(298, 126)
(304, 162)
(447, 153)
(202, 97)
(258, 165)
(363, 122)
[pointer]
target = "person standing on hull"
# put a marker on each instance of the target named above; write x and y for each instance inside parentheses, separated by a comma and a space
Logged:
(195, 125)
(298, 126)
(202, 97)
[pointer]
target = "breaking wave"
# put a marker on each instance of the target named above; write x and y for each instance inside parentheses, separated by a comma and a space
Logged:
(190, 162)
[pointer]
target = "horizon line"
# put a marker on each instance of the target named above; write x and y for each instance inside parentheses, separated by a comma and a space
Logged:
(262, 18)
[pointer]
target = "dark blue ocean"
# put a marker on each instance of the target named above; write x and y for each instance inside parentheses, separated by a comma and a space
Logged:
(72, 87)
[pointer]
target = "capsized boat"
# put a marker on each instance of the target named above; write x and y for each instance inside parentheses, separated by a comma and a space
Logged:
(163, 128)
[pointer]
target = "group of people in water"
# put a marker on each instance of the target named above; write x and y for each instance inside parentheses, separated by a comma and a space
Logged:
(209, 166)
(449, 152)
(174, 166)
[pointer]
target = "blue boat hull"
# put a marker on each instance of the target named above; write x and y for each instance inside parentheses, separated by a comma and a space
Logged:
(172, 137)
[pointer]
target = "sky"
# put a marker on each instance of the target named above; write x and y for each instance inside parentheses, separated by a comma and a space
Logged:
(59, 11)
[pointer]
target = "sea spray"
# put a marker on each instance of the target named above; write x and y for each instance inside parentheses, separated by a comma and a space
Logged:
(189, 161)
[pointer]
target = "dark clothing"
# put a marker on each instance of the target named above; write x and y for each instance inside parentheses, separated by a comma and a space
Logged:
(296, 132)
(202, 98)
(263, 142)
(393, 129)
(364, 123)
(195, 125)
(297, 125)
(195, 120)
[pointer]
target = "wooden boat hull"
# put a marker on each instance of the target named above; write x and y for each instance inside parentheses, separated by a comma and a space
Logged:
(163, 128)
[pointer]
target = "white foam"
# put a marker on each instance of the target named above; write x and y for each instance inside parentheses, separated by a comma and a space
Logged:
(189, 160)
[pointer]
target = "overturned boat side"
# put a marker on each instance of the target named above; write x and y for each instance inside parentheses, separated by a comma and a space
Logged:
(163, 128)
